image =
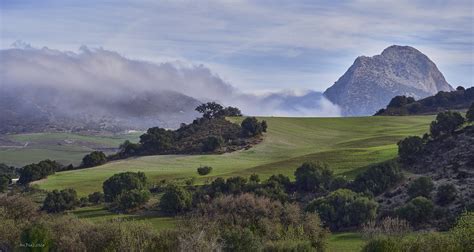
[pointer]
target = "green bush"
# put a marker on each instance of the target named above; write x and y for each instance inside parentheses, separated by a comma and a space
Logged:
(252, 127)
(422, 186)
(95, 197)
(446, 194)
(132, 199)
(378, 178)
(344, 208)
(409, 149)
(94, 158)
(60, 201)
(212, 143)
(417, 211)
(446, 123)
(121, 182)
(204, 170)
(313, 177)
(175, 200)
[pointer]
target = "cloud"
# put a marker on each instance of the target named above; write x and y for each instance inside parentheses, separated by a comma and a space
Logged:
(282, 36)
(105, 83)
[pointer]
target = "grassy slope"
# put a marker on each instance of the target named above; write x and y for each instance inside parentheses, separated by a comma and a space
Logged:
(64, 147)
(346, 144)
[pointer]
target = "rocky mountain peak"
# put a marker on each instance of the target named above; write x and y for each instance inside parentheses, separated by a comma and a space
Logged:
(371, 82)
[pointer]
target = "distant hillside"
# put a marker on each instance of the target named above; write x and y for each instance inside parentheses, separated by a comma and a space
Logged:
(460, 99)
(371, 82)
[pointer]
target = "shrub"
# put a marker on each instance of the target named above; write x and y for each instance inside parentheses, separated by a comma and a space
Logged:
(212, 143)
(122, 182)
(446, 194)
(247, 221)
(409, 149)
(422, 186)
(417, 211)
(446, 123)
(94, 158)
(95, 197)
(175, 200)
(344, 208)
(251, 127)
(378, 178)
(60, 201)
(132, 199)
(204, 170)
(388, 226)
(470, 113)
(313, 177)
(421, 242)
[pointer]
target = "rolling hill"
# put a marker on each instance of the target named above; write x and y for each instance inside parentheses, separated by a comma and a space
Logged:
(347, 145)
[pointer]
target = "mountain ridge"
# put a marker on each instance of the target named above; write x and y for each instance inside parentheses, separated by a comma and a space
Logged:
(371, 82)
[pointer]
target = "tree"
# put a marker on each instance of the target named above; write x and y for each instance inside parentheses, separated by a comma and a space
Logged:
(409, 149)
(60, 201)
(204, 170)
(344, 208)
(96, 197)
(94, 158)
(422, 186)
(175, 200)
(212, 143)
(132, 199)
(157, 140)
(251, 127)
(38, 171)
(121, 182)
(417, 211)
(378, 178)
(446, 123)
(313, 177)
(210, 110)
(232, 111)
(470, 113)
(446, 194)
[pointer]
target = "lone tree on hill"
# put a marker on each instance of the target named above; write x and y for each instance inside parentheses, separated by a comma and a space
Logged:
(215, 110)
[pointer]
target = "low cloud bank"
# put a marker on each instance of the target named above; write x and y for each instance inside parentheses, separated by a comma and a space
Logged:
(97, 81)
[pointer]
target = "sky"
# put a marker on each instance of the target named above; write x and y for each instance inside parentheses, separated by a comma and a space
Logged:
(255, 46)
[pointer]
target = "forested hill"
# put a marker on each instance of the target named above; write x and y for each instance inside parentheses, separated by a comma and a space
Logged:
(460, 99)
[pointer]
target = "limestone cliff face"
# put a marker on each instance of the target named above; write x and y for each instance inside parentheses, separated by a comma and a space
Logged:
(371, 82)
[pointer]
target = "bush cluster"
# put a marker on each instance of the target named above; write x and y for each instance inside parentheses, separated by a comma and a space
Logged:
(60, 201)
(38, 171)
(95, 158)
(344, 208)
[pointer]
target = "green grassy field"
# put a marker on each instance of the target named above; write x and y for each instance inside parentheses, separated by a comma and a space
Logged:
(347, 145)
(65, 148)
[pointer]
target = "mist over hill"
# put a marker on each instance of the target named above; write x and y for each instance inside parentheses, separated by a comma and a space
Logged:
(47, 89)
(371, 82)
